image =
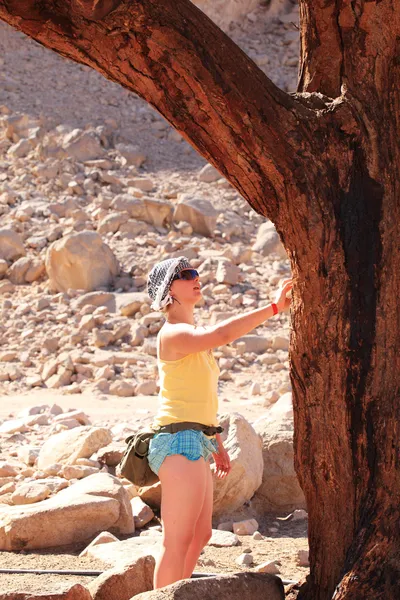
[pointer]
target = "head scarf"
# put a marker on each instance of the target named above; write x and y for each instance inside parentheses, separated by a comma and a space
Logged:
(160, 279)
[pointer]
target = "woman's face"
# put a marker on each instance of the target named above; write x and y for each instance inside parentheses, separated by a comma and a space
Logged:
(187, 291)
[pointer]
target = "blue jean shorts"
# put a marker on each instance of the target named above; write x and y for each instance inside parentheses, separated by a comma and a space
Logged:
(190, 443)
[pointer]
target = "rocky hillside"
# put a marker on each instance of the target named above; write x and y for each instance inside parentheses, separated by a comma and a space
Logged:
(94, 188)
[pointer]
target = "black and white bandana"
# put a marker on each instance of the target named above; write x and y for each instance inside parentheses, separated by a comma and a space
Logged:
(160, 279)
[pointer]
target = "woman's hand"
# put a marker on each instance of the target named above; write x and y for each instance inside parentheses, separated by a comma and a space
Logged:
(222, 462)
(281, 300)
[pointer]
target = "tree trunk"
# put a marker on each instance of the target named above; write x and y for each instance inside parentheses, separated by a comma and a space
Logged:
(323, 166)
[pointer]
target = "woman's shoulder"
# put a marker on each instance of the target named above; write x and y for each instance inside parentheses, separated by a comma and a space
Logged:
(166, 348)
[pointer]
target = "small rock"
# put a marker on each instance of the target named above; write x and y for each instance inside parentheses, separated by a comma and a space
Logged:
(209, 174)
(29, 493)
(244, 559)
(257, 536)
(268, 567)
(223, 539)
(7, 470)
(226, 526)
(247, 527)
(302, 558)
(122, 388)
(142, 513)
(105, 537)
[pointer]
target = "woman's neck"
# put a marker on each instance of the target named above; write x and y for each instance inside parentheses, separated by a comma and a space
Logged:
(180, 314)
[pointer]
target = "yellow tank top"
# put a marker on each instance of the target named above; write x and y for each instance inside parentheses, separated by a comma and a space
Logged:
(188, 389)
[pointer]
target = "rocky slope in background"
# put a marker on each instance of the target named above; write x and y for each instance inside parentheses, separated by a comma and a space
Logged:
(94, 188)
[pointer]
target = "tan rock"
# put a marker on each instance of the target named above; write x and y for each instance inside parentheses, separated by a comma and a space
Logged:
(65, 591)
(35, 271)
(67, 446)
(268, 567)
(142, 513)
(80, 261)
(102, 339)
(18, 270)
(6, 287)
(29, 493)
(131, 154)
(7, 470)
(97, 298)
(280, 488)
(77, 513)
(155, 212)
(126, 551)
(77, 471)
(112, 222)
(59, 379)
(227, 273)
(199, 212)
(146, 388)
(125, 581)
(11, 245)
(105, 537)
(28, 454)
(122, 388)
(209, 174)
(247, 527)
(111, 455)
(303, 558)
(268, 241)
(130, 303)
(77, 414)
(223, 539)
(14, 426)
(255, 343)
(3, 267)
(224, 587)
(280, 343)
(82, 145)
(245, 451)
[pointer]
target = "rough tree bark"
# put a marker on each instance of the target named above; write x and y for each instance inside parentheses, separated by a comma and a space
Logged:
(322, 164)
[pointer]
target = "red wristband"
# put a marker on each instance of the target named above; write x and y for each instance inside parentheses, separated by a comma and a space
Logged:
(274, 308)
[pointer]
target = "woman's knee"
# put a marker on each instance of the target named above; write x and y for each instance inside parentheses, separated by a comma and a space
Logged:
(178, 541)
(202, 536)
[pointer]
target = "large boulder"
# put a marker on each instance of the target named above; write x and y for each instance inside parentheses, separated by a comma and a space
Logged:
(82, 145)
(11, 245)
(74, 591)
(268, 241)
(80, 261)
(124, 581)
(150, 210)
(125, 552)
(199, 212)
(245, 452)
(66, 447)
(224, 587)
(77, 513)
(280, 488)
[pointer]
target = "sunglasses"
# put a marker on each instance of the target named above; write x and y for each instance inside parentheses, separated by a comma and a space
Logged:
(187, 275)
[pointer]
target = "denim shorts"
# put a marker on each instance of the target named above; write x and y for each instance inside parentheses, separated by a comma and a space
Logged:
(190, 443)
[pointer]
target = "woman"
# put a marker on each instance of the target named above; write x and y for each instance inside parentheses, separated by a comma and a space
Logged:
(188, 393)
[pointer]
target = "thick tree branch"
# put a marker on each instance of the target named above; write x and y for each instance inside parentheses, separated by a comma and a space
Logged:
(179, 61)
(344, 41)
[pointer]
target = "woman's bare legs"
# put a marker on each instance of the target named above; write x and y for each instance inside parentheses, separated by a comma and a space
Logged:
(183, 484)
(203, 529)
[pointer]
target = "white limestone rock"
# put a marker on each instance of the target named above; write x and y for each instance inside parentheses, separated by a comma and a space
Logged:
(80, 261)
